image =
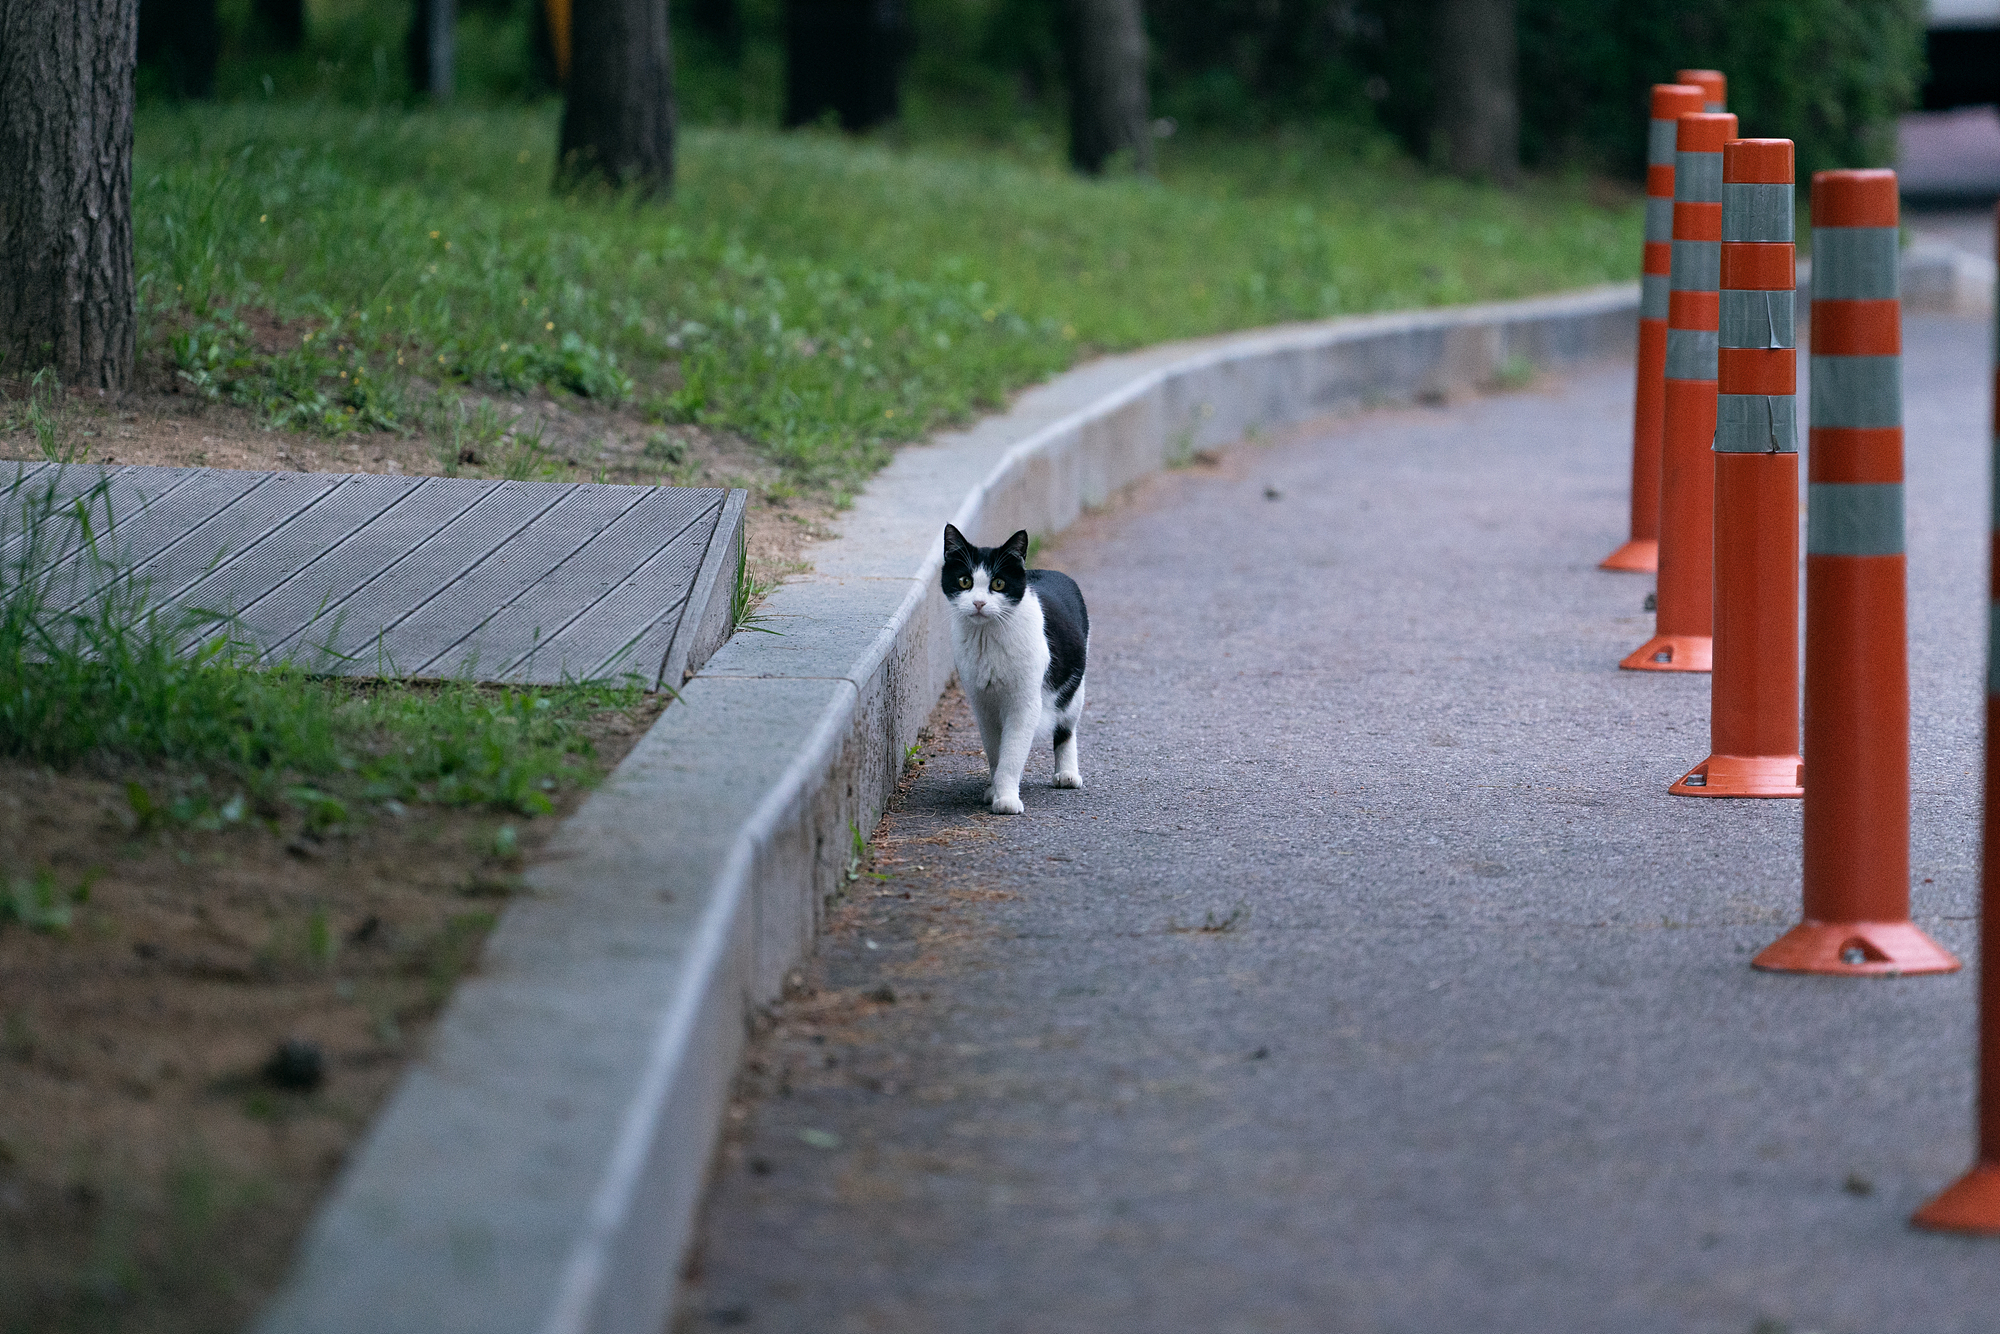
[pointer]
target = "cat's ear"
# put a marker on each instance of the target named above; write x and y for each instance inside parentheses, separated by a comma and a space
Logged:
(1016, 546)
(954, 540)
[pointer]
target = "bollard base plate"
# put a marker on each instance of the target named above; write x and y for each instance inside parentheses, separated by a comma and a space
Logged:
(1856, 949)
(1672, 653)
(1639, 556)
(1970, 1204)
(1743, 776)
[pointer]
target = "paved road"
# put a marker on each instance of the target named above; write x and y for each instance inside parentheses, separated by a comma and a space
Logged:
(1950, 154)
(1479, 1048)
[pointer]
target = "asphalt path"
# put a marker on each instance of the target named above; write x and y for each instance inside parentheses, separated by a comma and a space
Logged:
(1374, 982)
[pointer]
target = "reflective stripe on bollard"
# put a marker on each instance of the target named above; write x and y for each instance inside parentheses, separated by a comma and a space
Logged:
(1684, 608)
(1856, 910)
(1640, 553)
(1754, 692)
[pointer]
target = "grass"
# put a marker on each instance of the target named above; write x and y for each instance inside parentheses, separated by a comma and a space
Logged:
(92, 673)
(337, 267)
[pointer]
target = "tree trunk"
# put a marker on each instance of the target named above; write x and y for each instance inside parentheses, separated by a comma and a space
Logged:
(66, 94)
(1108, 110)
(1478, 109)
(618, 119)
(843, 56)
(282, 23)
(721, 22)
(182, 39)
(433, 54)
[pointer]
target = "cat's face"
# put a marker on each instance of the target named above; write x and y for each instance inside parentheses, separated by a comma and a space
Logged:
(984, 583)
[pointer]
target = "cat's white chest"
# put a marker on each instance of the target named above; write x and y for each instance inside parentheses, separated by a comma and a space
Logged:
(1007, 657)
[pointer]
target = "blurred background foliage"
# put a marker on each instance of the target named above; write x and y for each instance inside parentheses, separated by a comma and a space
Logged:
(1831, 74)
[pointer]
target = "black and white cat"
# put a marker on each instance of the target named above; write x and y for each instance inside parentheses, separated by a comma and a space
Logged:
(1019, 637)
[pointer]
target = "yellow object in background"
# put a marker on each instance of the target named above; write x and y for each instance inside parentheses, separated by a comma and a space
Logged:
(558, 11)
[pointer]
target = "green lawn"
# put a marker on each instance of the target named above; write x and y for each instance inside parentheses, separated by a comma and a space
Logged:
(822, 297)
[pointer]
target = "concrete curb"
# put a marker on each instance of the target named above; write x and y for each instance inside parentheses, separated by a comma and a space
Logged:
(539, 1168)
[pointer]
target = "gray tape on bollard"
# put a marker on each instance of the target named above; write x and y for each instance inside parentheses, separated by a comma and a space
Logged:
(1854, 519)
(1756, 424)
(1660, 138)
(1757, 213)
(1857, 391)
(1697, 266)
(1759, 319)
(1659, 219)
(1653, 296)
(1698, 178)
(1854, 264)
(1690, 354)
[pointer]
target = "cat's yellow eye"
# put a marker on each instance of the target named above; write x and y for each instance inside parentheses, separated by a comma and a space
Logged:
(999, 585)
(965, 581)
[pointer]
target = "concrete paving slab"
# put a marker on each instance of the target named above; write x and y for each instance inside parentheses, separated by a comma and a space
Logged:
(1471, 1040)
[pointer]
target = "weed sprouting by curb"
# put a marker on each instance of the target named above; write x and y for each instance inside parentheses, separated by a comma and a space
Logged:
(745, 595)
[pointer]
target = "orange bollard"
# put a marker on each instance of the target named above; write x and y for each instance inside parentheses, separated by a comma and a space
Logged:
(1714, 87)
(1972, 1203)
(1685, 606)
(1641, 552)
(1754, 694)
(1856, 919)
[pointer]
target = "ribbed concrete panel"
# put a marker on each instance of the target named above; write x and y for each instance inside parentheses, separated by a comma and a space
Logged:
(393, 576)
(40, 505)
(536, 626)
(629, 628)
(344, 566)
(210, 541)
(345, 636)
(463, 630)
(278, 554)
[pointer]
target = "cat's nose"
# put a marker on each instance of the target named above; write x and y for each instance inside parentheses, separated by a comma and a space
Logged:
(979, 604)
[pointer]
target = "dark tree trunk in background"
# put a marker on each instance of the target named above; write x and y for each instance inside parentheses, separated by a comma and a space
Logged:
(721, 22)
(433, 41)
(66, 94)
(1478, 107)
(181, 38)
(618, 118)
(1108, 112)
(844, 56)
(281, 23)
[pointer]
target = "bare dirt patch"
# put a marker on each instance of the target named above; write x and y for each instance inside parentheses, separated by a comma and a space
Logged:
(185, 1064)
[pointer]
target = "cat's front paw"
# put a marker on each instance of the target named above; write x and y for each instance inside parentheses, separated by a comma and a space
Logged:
(1008, 805)
(1067, 780)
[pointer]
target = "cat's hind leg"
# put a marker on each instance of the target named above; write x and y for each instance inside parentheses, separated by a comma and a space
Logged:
(1067, 774)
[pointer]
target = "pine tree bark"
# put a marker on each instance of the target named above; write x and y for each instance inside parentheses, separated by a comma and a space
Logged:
(1475, 73)
(1108, 107)
(67, 297)
(618, 117)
